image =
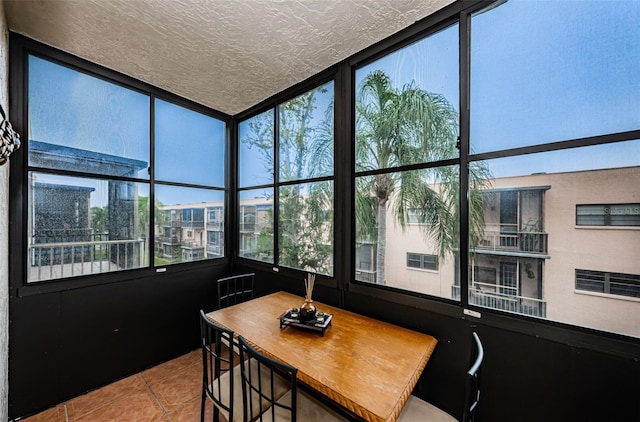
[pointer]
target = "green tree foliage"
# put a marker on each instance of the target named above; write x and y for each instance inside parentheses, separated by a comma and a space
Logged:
(305, 147)
(161, 217)
(100, 219)
(399, 127)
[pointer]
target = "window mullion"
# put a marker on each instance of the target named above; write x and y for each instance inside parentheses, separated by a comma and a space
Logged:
(276, 186)
(464, 78)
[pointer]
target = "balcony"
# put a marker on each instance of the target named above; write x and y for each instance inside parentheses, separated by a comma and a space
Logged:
(193, 224)
(215, 225)
(192, 244)
(515, 304)
(217, 250)
(247, 227)
(59, 260)
(168, 240)
(367, 276)
(516, 241)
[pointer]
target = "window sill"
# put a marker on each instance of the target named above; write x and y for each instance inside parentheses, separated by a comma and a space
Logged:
(423, 270)
(607, 295)
(622, 228)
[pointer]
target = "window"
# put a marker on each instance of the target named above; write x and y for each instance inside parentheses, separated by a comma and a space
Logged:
(407, 176)
(556, 160)
(89, 170)
(608, 215)
(422, 261)
(189, 162)
(286, 215)
(534, 62)
(537, 156)
(611, 283)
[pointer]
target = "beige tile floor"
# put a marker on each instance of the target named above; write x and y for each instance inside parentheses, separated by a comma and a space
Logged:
(169, 392)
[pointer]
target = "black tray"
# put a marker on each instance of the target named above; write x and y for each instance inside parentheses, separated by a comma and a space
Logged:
(320, 323)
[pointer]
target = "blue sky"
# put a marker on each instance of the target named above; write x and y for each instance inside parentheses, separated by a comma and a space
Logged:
(115, 121)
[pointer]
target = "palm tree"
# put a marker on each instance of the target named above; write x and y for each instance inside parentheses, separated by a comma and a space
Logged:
(400, 127)
(99, 219)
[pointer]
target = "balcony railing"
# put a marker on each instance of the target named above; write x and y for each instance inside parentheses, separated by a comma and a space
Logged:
(192, 244)
(518, 241)
(516, 304)
(215, 225)
(367, 276)
(192, 224)
(247, 227)
(59, 260)
(168, 240)
(217, 250)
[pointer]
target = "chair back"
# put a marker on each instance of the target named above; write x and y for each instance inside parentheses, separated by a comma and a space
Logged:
(235, 289)
(217, 358)
(472, 392)
(259, 384)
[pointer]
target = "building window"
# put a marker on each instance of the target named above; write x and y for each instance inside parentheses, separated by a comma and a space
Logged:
(608, 215)
(285, 179)
(610, 283)
(89, 175)
(422, 261)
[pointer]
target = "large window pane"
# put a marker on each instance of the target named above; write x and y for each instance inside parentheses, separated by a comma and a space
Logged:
(255, 155)
(386, 236)
(305, 142)
(81, 123)
(189, 146)
(545, 71)
(305, 145)
(306, 227)
(188, 224)
(255, 225)
(82, 226)
(407, 104)
(536, 253)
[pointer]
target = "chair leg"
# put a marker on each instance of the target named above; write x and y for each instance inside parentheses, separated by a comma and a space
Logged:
(202, 406)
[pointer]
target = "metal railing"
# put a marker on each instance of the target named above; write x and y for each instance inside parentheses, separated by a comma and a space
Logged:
(170, 240)
(192, 224)
(192, 244)
(367, 276)
(517, 241)
(247, 227)
(60, 260)
(516, 304)
(215, 250)
(215, 225)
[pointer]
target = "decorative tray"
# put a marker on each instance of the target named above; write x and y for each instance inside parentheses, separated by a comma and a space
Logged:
(319, 323)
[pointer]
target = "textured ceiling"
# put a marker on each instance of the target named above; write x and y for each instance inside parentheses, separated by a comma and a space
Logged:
(226, 54)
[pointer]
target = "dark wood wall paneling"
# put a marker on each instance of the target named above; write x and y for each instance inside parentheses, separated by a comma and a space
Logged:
(66, 343)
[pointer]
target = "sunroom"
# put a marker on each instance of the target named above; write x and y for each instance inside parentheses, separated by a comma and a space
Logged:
(448, 167)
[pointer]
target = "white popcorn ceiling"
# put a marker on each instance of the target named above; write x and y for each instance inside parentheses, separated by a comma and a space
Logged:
(225, 54)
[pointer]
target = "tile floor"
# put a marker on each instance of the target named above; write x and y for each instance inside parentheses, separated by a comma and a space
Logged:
(169, 392)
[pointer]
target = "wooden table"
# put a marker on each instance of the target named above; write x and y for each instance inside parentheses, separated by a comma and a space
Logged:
(368, 366)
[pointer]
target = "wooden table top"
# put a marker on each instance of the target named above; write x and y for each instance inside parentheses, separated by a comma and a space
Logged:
(368, 366)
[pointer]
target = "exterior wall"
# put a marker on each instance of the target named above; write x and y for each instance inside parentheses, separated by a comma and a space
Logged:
(4, 232)
(399, 242)
(570, 247)
(614, 249)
